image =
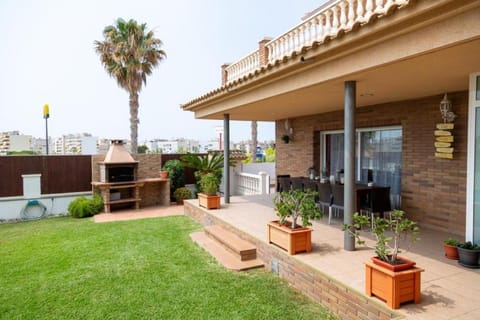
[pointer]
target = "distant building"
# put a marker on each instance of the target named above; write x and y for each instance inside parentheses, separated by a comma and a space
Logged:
(173, 146)
(14, 141)
(76, 144)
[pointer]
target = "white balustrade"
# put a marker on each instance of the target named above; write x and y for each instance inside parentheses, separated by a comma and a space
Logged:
(250, 184)
(340, 15)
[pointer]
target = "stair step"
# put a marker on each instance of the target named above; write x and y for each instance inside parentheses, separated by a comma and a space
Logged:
(243, 249)
(222, 255)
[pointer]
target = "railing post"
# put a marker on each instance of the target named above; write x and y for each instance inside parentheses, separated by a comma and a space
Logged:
(264, 182)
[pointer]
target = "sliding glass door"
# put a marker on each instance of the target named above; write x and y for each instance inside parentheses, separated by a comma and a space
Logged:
(378, 157)
(473, 162)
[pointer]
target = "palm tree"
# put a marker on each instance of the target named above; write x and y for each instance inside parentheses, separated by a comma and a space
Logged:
(254, 143)
(129, 53)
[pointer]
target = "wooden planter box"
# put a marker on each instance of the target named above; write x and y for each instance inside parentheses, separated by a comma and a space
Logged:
(394, 287)
(209, 202)
(293, 240)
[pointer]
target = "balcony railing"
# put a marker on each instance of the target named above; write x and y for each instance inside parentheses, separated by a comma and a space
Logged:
(328, 22)
(250, 184)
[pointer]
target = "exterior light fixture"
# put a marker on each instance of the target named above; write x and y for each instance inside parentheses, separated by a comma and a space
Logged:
(446, 110)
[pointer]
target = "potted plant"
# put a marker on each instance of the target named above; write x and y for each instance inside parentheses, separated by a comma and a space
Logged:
(163, 174)
(469, 254)
(288, 234)
(181, 194)
(389, 277)
(450, 248)
(208, 197)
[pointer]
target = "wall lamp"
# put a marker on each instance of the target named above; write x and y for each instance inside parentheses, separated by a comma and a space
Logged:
(446, 110)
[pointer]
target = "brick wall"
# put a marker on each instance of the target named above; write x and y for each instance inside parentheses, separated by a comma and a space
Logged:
(433, 189)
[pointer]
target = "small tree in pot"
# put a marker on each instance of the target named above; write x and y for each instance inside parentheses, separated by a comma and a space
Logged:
(387, 272)
(296, 204)
(288, 234)
(388, 234)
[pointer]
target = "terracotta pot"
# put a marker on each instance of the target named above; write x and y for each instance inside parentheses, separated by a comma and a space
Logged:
(293, 240)
(451, 252)
(402, 264)
(164, 174)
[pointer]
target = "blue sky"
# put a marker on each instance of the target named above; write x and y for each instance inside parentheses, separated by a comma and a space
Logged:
(47, 56)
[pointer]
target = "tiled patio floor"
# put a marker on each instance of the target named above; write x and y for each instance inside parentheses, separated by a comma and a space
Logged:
(449, 291)
(149, 212)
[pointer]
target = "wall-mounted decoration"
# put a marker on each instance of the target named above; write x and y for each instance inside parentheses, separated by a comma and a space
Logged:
(443, 134)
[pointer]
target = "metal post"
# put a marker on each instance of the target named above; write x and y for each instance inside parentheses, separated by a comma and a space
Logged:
(46, 115)
(349, 165)
(46, 134)
(226, 156)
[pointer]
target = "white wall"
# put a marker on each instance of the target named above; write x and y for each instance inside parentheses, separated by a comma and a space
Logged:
(255, 168)
(11, 208)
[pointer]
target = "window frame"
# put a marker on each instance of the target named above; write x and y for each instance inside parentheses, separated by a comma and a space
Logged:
(358, 132)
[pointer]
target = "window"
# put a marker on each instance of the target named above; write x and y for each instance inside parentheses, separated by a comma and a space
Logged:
(378, 157)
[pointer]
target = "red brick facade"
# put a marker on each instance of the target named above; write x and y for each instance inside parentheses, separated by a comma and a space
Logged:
(433, 189)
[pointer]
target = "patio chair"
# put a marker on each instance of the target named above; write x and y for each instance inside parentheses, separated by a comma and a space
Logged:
(284, 184)
(309, 184)
(337, 203)
(378, 201)
(325, 198)
(297, 183)
(279, 177)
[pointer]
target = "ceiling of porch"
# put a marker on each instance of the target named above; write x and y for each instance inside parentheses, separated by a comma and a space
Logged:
(445, 70)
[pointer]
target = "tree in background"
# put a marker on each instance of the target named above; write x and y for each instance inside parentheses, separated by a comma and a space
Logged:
(129, 53)
(254, 142)
(270, 155)
(142, 149)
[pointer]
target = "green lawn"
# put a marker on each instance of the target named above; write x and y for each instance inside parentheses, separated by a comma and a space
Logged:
(64, 268)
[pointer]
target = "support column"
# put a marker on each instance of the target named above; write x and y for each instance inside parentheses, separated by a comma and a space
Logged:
(226, 156)
(349, 165)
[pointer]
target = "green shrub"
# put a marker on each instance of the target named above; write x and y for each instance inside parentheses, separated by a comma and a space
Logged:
(182, 193)
(176, 174)
(82, 207)
(209, 184)
(451, 242)
(97, 203)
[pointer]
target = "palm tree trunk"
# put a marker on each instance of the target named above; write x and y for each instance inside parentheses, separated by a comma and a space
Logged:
(253, 148)
(133, 121)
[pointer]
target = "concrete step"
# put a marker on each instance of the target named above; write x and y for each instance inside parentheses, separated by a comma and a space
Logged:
(243, 249)
(222, 255)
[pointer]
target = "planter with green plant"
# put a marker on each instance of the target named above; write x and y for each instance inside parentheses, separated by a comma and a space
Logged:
(286, 232)
(181, 194)
(450, 248)
(469, 255)
(204, 164)
(389, 277)
(208, 197)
